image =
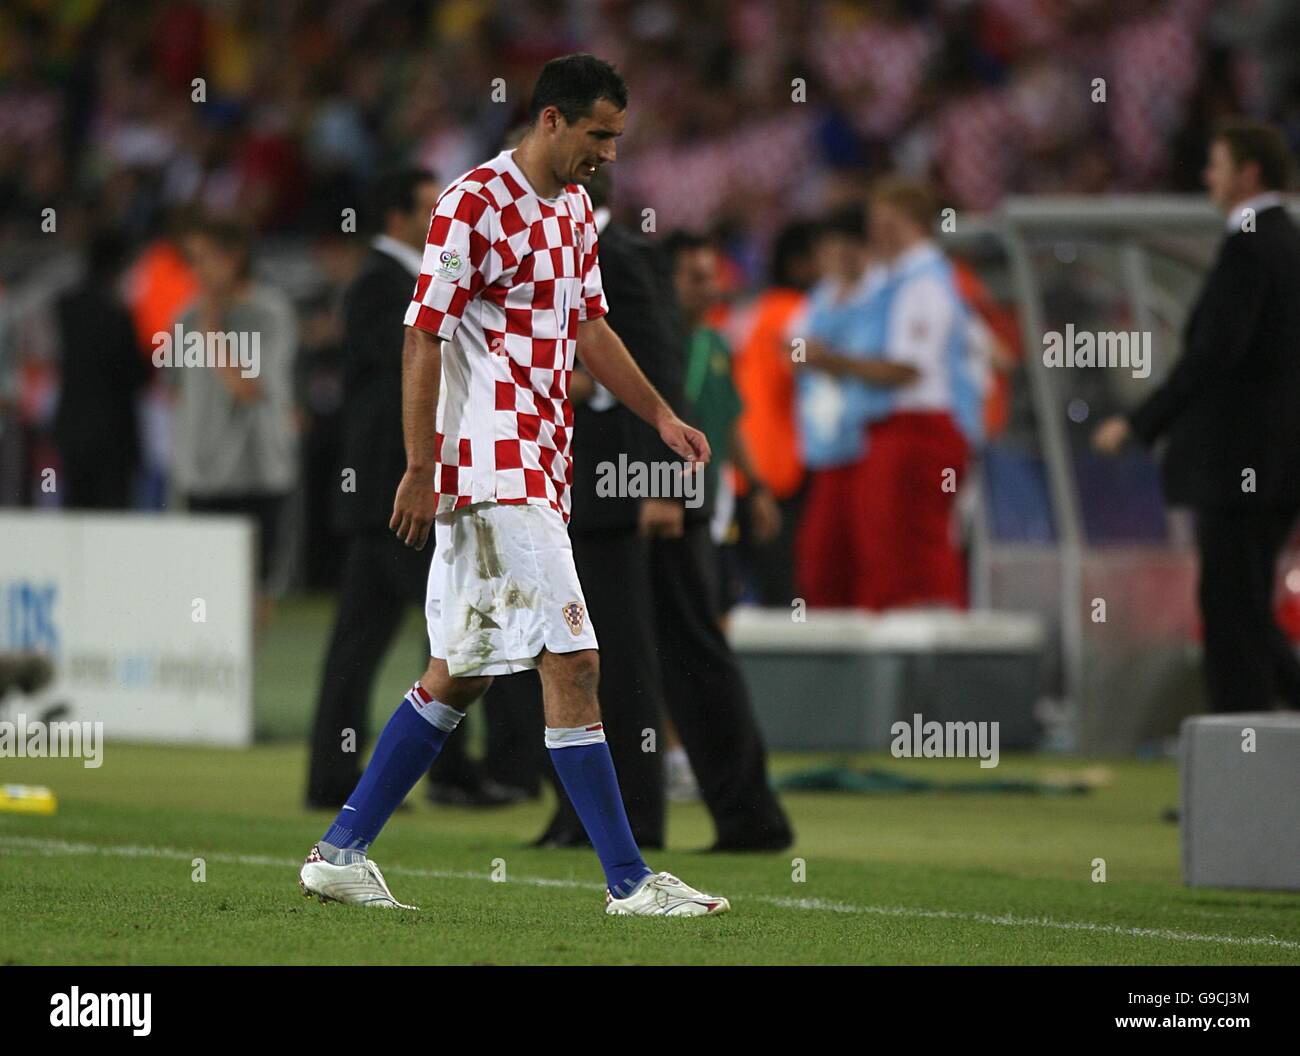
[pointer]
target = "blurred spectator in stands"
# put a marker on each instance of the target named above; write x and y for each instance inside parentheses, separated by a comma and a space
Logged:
(103, 373)
(1266, 34)
(236, 442)
(304, 101)
(764, 374)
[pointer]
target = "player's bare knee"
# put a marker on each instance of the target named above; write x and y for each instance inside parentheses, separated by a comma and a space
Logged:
(462, 692)
(458, 693)
(582, 671)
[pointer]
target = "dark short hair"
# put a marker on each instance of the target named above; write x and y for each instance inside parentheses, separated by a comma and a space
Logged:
(795, 240)
(106, 253)
(228, 235)
(848, 221)
(1264, 145)
(573, 83)
(395, 189)
(681, 241)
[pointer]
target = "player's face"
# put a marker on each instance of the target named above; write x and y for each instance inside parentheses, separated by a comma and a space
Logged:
(216, 270)
(581, 148)
(835, 256)
(882, 227)
(697, 281)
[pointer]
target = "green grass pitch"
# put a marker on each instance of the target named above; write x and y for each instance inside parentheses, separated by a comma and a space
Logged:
(932, 879)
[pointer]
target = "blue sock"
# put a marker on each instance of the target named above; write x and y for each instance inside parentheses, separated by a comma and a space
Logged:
(586, 770)
(410, 742)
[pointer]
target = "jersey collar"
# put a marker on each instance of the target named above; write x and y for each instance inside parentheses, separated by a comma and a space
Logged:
(518, 173)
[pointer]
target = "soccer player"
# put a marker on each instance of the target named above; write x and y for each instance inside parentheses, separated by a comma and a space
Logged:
(508, 293)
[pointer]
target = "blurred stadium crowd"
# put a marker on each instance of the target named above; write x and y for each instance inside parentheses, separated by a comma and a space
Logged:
(304, 102)
(188, 149)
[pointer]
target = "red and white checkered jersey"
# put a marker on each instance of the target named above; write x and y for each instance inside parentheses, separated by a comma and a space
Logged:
(506, 279)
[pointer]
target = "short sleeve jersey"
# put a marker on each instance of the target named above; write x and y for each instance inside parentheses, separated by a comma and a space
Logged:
(506, 279)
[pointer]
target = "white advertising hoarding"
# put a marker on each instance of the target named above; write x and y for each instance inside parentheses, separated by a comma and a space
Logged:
(148, 619)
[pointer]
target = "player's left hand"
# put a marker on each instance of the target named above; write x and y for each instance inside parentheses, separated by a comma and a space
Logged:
(686, 440)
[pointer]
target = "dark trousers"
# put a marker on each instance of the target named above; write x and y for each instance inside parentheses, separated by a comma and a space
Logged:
(98, 484)
(706, 695)
(515, 753)
(381, 580)
(265, 509)
(702, 688)
(771, 567)
(1248, 661)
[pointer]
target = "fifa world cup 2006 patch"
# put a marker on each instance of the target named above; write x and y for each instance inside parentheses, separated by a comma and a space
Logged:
(574, 614)
(451, 265)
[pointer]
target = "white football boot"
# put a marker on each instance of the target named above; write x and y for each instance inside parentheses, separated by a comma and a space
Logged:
(359, 884)
(663, 895)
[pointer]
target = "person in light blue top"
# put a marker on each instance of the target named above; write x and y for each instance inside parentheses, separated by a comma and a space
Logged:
(844, 323)
(841, 314)
(904, 551)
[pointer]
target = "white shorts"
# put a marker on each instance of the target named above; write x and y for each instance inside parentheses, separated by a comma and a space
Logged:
(503, 587)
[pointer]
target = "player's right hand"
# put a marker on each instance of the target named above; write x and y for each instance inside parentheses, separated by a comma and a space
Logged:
(686, 440)
(414, 508)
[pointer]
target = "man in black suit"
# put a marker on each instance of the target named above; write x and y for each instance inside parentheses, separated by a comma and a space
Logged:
(1230, 411)
(704, 689)
(103, 373)
(381, 578)
(647, 566)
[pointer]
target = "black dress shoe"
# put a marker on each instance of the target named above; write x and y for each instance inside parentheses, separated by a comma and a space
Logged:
(332, 799)
(761, 844)
(568, 839)
(561, 839)
(507, 793)
(470, 794)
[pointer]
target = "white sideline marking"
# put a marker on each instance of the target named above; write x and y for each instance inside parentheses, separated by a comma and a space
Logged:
(55, 847)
